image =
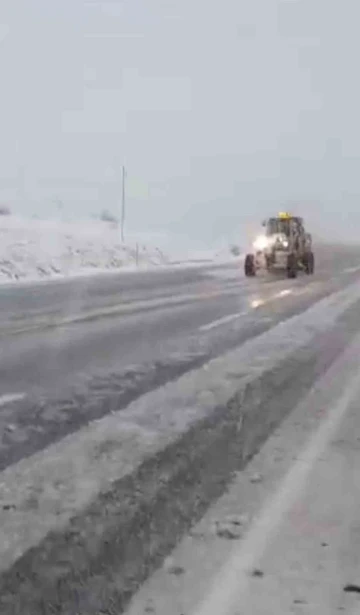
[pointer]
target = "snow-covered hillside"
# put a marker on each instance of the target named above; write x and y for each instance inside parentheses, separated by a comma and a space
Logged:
(32, 249)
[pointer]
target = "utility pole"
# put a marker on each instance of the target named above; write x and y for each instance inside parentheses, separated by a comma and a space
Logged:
(59, 204)
(122, 220)
(21, 185)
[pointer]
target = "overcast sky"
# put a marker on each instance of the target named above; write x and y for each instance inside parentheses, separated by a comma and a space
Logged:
(221, 110)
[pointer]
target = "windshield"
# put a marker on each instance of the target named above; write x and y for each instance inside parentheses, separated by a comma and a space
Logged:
(276, 225)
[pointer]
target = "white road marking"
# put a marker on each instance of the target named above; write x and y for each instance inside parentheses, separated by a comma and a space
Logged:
(285, 292)
(257, 303)
(221, 321)
(352, 269)
(10, 398)
(232, 582)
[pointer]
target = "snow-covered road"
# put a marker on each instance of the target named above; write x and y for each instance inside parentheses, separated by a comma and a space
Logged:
(284, 538)
(118, 430)
(57, 333)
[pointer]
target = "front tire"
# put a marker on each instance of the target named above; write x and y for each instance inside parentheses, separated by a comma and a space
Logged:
(310, 263)
(249, 266)
(291, 268)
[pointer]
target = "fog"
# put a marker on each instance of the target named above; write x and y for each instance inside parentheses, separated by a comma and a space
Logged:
(222, 112)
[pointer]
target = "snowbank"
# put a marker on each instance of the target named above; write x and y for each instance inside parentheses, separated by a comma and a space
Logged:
(33, 249)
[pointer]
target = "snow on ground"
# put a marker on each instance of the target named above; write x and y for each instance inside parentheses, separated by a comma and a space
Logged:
(284, 515)
(33, 249)
(76, 469)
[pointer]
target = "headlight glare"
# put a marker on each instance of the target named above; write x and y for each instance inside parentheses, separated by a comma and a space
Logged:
(261, 243)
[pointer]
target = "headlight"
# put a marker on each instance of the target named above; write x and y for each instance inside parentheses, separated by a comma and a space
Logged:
(261, 243)
(283, 240)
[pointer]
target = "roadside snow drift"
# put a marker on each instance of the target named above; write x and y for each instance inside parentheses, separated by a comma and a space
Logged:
(33, 249)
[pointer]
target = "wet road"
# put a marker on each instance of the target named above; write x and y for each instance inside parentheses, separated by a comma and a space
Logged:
(284, 538)
(52, 335)
(95, 452)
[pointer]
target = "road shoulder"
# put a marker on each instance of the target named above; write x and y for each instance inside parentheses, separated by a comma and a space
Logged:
(285, 537)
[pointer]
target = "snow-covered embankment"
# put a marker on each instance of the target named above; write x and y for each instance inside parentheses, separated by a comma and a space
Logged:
(32, 249)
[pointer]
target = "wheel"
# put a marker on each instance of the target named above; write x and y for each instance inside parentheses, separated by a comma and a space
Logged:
(249, 266)
(310, 263)
(291, 268)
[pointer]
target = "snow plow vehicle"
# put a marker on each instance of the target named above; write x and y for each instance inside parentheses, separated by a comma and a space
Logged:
(285, 245)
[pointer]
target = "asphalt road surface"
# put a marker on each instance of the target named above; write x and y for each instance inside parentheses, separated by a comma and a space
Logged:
(74, 354)
(55, 335)
(284, 538)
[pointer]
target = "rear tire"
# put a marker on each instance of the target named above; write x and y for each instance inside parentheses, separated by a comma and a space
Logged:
(291, 268)
(249, 266)
(310, 263)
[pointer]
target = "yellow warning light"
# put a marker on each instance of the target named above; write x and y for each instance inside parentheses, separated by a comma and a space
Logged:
(284, 215)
